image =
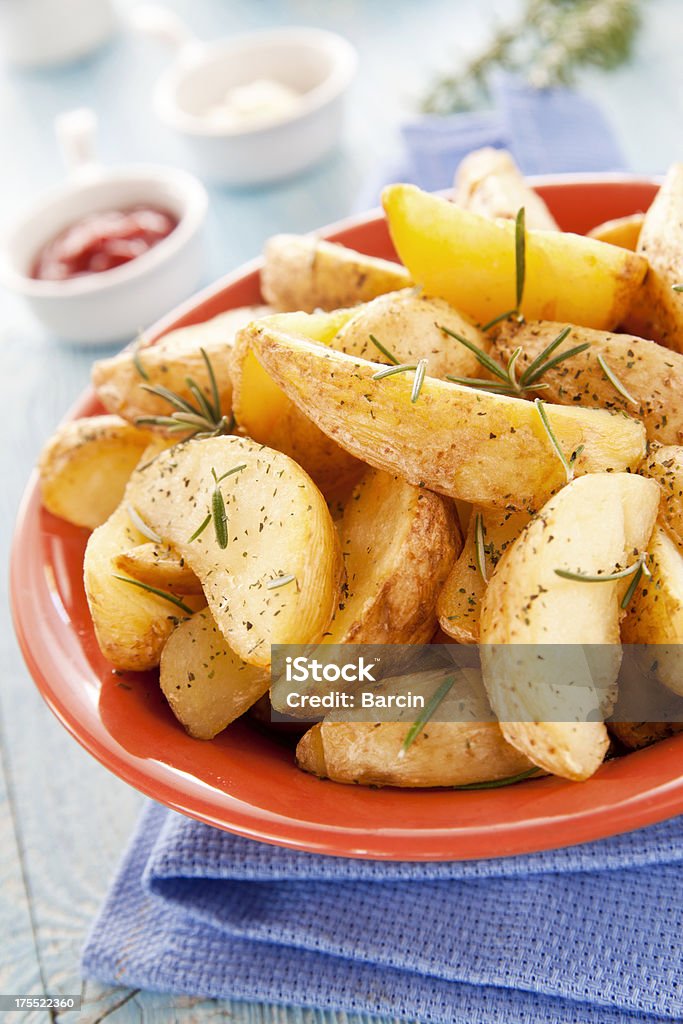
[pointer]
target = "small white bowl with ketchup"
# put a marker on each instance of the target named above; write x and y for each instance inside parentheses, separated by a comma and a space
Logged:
(105, 254)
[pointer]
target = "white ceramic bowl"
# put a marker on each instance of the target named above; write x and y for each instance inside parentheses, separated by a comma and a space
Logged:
(320, 65)
(112, 306)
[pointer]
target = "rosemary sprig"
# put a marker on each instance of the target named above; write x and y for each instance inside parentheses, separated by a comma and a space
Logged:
(420, 372)
(201, 417)
(419, 724)
(141, 526)
(499, 783)
(520, 255)
(615, 382)
(506, 381)
(157, 593)
(385, 351)
(568, 464)
(608, 577)
(280, 581)
(480, 546)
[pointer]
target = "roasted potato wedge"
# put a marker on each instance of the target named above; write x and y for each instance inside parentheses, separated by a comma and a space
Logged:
(459, 604)
(596, 525)
(159, 566)
(622, 231)
(84, 468)
(469, 749)
(664, 463)
(483, 448)
(655, 613)
(131, 624)
(206, 685)
(398, 543)
(408, 325)
(658, 311)
(470, 262)
(636, 735)
(267, 554)
(651, 374)
(489, 182)
(266, 414)
(120, 381)
(305, 273)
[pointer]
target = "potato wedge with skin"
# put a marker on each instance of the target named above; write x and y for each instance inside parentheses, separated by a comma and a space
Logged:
(305, 273)
(658, 310)
(466, 750)
(398, 543)
(459, 604)
(470, 262)
(159, 566)
(84, 468)
(655, 613)
(622, 231)
(409, 325)
(664, 463)
(266, 414)
(206, 685)
(636, 735)
(596, 525)
(650, 373)
(277, 527)
(131, 625)
(489, 182)
(169, 362)
(484, 448)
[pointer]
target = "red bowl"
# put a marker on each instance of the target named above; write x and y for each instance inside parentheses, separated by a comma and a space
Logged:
(246, 782)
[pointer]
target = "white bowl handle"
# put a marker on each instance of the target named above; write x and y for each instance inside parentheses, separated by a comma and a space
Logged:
(76, 131)
(163, 25)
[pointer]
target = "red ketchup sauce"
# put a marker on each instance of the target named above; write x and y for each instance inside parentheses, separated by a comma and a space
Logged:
(101, 241)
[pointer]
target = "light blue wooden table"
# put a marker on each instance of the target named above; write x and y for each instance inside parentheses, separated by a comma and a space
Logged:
(63, 819)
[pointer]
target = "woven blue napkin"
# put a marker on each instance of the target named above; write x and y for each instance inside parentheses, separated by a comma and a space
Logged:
(588, 935)
(553, 131)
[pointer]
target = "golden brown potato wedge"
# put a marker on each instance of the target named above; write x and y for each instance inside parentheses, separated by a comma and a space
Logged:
(651, 374)
(159, 566)
(131, 625)
(655, 613)
(408, 325)
(265, 550)
(206, 685)
(459, 604)
(469, 749)
(489, 182)
(84, 468)
(623, 231)
(658, 311)
(266, 414)
(664, 463)
(597, 525)
(470, 262)
(398, 543)
(636, 735)
(305, 273)
(484, 448)
(169, 363)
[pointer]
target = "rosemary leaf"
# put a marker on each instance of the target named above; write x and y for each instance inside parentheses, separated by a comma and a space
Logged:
(419, 724)
(141, 526)
(628, 596)
(389, 371)
(677, 287)
(137, 363)
(385, 351)
(608, 577)
(174, 400)
(482, 357)
(200, 529)
(520, 255)
(157, 593)
(615, 382)
(556, 360)
(498, 319)
(545, 354)
(201, 399)
(568, 466)
(220, 518)
(479, 546)
(235, 469)
(420, 372)
(499, 783)
(214, 386)
(280, 581)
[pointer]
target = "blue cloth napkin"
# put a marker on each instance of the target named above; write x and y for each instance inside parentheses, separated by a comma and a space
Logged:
(552, 131)
(587, 935)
